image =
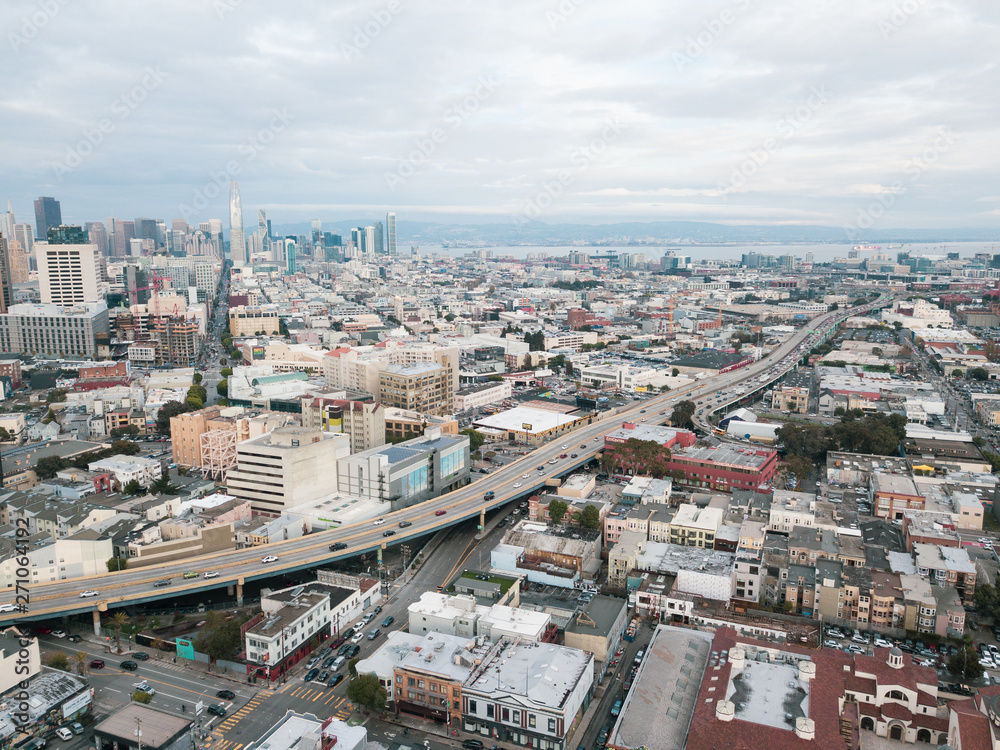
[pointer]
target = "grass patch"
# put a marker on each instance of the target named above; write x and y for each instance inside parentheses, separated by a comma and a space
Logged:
(504, 583)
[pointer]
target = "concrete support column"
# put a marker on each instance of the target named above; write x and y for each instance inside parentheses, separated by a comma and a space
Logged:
(239, 594)
(97, 622)
(482, 519)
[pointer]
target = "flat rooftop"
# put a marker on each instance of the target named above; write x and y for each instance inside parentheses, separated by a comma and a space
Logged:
(727, 455)
(526, 419)
(158, 727)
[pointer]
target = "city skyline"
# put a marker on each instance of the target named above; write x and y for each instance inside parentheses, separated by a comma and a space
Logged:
(724, 112)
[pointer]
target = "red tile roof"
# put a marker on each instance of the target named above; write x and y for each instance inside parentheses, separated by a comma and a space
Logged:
(896, 711)
(973, 726)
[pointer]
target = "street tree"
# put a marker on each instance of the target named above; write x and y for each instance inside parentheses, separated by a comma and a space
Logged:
(366, 691)
(557, 510)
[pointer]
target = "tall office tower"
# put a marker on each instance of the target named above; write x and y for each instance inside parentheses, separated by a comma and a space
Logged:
(237, 243)
(289, 256)
(357, 238)
(317, 230)
(390, 233)
(145, 229)
(120, 234)
(180, 225)
(97, 235)
(48, 215)
(263, 230)
(6, 287)
(810, 258)
(379, 244)
(9, 222)
(19, 253)
(68, 235)
(368, 245)
(68, 274)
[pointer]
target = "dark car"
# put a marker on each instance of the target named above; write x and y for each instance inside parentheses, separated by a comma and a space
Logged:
(353, 651)
(390, 532)
(311, 675)
(344, 649)
(74, 639)
(328, 661)
(472, 745)
(338, 546)
(97, 664)
(404, 524)
(131, 666)
(226, 695)
(377, 610)
(388, 621)
(162, 582)
(216, 710)
(337, 679)
(141, 656)
(541, 468)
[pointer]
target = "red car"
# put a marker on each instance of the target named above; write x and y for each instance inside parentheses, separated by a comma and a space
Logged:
(43, 630)
(337, 643)
(563, 455)
(439, 513)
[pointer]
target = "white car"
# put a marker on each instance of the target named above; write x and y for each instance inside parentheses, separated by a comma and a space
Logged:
(565, 447)
(987, 662)
(882, 643)
(835, 634)
(269, 559)
(378, 522)
(831, 644)
(211, 574)
(87, 594)
(525, 476)
(8, 608)
(516, 485)
(58, 633)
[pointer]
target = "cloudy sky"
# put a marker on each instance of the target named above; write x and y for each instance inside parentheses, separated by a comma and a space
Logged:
(880, 113)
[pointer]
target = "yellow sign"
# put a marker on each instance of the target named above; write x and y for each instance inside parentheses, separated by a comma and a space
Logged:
(525, 426)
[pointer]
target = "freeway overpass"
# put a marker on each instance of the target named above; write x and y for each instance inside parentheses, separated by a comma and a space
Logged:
(522, 477)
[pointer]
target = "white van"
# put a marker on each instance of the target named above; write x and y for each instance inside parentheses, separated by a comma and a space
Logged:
(64, 734)
(339, 663)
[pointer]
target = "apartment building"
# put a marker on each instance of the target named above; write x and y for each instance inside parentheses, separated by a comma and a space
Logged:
(427, 680)
(277, 470)
(947, 566)
(128, 468)
(292, 622)
(792, 394)
(692, 526)
(362, 421)
(358, 368)
(51, 330)
(69, 274)
(472, 397)
(424, 387)
(893, 494)
(245, 320)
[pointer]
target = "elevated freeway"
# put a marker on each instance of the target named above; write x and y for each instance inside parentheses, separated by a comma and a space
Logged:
(522, 477)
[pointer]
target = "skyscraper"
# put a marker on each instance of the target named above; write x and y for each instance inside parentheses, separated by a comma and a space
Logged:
(48, 215)
(6, 288)
(390, 233)
(379, 242)
(289, 256)
(368, 245)
(263, 226)
(68, 274)
(237, 244)
(98, 235)
(120, 235)
(9, 222)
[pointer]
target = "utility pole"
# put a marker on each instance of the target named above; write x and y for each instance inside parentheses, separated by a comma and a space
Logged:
(405, 549)
(138, 732)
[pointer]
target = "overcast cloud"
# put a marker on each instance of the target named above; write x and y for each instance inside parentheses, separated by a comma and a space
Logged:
(762, 111)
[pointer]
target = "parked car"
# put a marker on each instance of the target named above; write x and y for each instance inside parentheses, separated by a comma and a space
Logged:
(311, 675)
(375, 633)
(336, 680)
(64, 734)
(140, 656)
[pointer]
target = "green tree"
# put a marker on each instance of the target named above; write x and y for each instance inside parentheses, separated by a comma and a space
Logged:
(119, 621)
(56, 396)
(979, 373)
(590, 518)
(681, 416)
(47, 466)
(222, 388)
(226, 372)
(218, 637)
(117, 563)
(58, 660)
(956, 373)
(476, 439)
(132, 487)
(168, 410)
(124, 431)
(800, 467)
(988, 600)
(352, 666)
(557, 510)
(4, 435)
(834, 306)
(494, 378)
(198, 378)
(966, 662)
(194, 403)
(80, 661)
(570, 372)
(366, 691)
(124, 448)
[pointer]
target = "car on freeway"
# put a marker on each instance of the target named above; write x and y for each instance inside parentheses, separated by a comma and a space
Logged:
(583, 445)
(210, 574)
(516, 485)
(525, 476)
(226, 695)
(88, 593)
(572, 455)
(338, 546)
(439, 512)
(404, 524)
(540, 468)
(563, 455)
(390, 532)
(8, 608)
(378, 522)
(269, 559)
(161, 583)
(565, 447)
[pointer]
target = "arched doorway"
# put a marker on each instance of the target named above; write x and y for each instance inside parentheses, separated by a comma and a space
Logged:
(896, 732)
(923, 735)
(868, 723)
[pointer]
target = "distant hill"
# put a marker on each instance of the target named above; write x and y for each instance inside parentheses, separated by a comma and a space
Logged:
(625, 233)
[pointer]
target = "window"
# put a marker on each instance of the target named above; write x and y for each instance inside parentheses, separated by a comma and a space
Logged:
(552, 725)
(531, 720)
(505, 714)
(472, 708)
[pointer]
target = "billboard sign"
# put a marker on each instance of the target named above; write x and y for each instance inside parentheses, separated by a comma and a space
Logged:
(75, 704)
(185, 648)
(257, 352)
(525, 426)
